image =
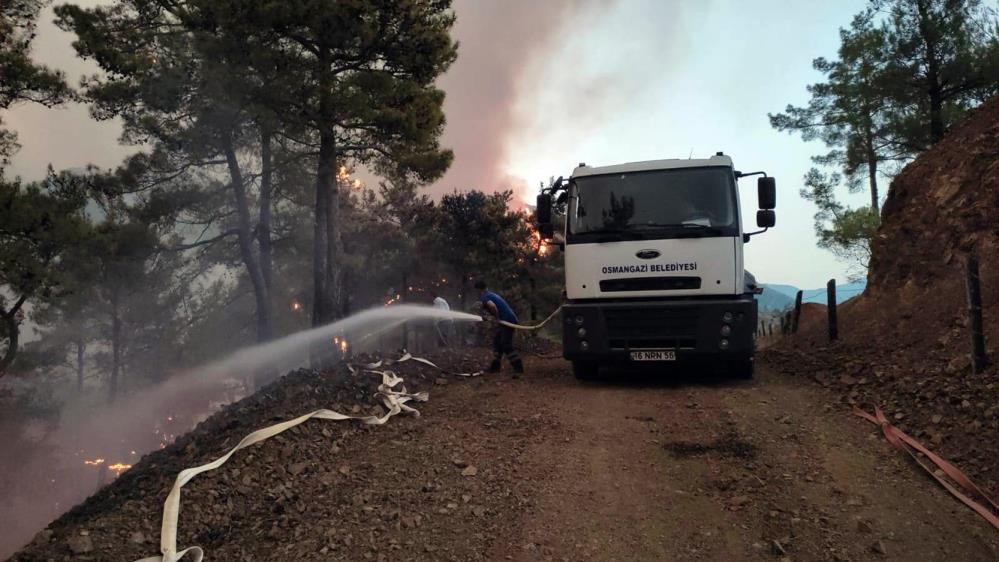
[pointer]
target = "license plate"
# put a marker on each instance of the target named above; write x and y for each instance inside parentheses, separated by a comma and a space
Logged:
(669, 355)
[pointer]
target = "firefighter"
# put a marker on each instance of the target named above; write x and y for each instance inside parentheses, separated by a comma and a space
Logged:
(503, 338)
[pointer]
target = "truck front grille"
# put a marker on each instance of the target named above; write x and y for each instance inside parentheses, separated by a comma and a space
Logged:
(651, 328)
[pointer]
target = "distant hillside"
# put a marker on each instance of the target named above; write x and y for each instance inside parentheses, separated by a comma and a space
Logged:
(771, 300)
(777, 296)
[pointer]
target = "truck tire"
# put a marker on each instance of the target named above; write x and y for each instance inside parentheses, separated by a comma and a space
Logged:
(741, 368)
(585, 370)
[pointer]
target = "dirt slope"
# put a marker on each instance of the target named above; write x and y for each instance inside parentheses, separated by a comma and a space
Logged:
(904, 343)
(543, 468)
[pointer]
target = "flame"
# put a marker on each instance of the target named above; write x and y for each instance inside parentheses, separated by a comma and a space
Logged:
(343, 178)
(393, 300)
(94, 462)
(119, 467)
(536, 239)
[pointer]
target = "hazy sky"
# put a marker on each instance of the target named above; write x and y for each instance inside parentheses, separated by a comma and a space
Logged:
(542, 85)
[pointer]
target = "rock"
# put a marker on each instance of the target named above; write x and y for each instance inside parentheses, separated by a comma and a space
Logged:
(738, 501)
(864, 526)
(297, 468)
(479, 511)
(440, 381)
(470, 471)
(778, 548)
(936, 419)
(137, 537)
(80, 544)
(43, 537)
(460, 463)
(879, 548)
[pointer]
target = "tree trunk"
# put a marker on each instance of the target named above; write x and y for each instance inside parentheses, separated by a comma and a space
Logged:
(872, 164)
(264, 228)
(464, 292)
(81, 347)
(13, 331)
(322, 304)
(245, 236)
(115, 347)
(934, 90)
(9, 319)
(334, 270)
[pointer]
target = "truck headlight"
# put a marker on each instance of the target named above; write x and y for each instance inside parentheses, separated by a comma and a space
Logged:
(723, 343)
(584, 346)
(726, 330)
(579, 320)
(581, 332)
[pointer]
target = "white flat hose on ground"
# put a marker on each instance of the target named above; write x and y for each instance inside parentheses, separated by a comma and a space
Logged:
(394, 400)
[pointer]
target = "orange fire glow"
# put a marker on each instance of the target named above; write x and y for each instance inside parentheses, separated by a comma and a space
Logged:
(119, 467)
(341, 343)
(94, 462)
(536, 239)
(343, 178)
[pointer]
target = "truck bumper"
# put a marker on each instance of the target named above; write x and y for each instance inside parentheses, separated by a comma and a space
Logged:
(607, 332)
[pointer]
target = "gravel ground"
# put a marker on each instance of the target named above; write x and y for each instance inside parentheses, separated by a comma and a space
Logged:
(658, 467)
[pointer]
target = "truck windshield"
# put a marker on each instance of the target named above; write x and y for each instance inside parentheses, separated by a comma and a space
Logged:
(685, 199)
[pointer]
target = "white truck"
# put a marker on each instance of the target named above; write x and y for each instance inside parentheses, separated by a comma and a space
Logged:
(654, 263)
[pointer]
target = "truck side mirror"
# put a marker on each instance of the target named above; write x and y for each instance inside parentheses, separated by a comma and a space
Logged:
(766, 192)
(766, 218)
(543, 213)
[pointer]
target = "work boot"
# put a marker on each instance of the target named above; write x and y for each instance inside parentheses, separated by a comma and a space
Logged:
(518, 368)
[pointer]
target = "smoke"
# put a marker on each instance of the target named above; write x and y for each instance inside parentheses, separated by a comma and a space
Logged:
(497, 42)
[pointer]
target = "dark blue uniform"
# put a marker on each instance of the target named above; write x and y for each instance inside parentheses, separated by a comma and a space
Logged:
(503, 338)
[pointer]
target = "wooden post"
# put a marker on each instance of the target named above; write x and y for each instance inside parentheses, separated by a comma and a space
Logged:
(979, 361)
(831, 305)
(797, 313)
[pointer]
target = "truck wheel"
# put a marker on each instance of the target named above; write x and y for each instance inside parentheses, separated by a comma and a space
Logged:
(585, 370)
(741, 369)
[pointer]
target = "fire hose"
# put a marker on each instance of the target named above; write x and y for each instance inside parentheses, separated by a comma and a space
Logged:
(902, 441)
(531, 328)
(394, 400)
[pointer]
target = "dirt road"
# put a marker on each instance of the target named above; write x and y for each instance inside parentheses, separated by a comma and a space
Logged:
(546, 468)
(724, 470)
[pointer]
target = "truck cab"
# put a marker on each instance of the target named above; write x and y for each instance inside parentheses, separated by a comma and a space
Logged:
(654, 266)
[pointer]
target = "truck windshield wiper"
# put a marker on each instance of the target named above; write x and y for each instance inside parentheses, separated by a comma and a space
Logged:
(674, 225)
